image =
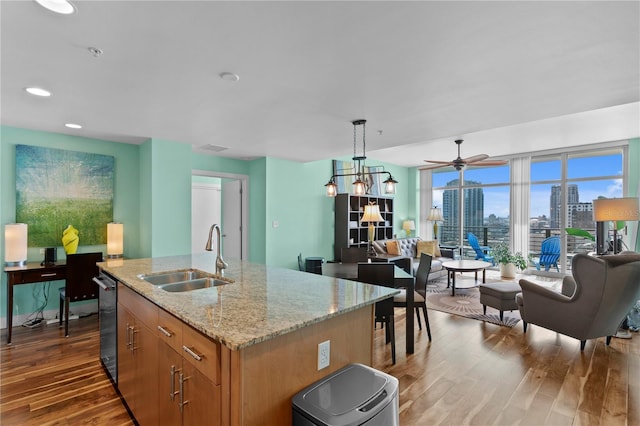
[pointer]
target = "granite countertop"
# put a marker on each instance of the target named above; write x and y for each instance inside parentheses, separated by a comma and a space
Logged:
(263, 302)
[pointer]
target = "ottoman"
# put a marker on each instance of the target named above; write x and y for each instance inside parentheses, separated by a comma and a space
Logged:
(501, 296)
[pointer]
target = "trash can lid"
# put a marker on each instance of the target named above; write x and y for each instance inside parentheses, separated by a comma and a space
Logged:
(343, 392)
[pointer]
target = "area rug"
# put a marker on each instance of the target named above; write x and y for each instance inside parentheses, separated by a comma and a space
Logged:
(466, 302)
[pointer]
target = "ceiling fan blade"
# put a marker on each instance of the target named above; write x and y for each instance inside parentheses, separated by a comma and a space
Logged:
(439, 162)
(475, 158)
(435, 166)
(490, 163)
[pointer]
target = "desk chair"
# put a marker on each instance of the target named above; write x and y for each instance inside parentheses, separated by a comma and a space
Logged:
(81, 268)
(381, 274)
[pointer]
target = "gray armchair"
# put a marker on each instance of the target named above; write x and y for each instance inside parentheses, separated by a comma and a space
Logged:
(593, 302)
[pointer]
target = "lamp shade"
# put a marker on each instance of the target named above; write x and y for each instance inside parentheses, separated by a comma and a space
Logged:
(409, 225)
(371, 214)
(614, 209)
(15, 244)
(115, 239)
(435, 215)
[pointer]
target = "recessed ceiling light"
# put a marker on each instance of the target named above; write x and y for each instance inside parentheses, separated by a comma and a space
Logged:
(38, 91)
(73, 126)
(63, 7)
(229, 76)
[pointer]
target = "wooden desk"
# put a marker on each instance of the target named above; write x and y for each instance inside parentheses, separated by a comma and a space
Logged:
(28, 274)
(401, 279)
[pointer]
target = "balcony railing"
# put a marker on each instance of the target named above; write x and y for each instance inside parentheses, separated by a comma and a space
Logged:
(492, 235)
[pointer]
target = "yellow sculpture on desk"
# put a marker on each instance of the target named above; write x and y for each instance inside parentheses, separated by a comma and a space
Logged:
(70, 240)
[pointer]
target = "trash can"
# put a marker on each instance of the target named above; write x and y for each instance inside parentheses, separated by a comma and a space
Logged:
(314, 265)
(354, 395)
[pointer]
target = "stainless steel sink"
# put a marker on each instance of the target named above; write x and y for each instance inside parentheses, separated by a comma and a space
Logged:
(184, 280)
(175, 276)
(193, 285)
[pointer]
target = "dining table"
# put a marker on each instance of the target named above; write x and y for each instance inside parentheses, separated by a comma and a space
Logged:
(401, 279)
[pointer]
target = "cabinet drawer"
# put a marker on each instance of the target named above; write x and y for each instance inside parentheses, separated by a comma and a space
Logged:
(201, 352)
(170, 330)
(40, 276)
(143, 309)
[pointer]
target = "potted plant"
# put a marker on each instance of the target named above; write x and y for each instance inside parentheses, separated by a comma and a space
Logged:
(508, 261)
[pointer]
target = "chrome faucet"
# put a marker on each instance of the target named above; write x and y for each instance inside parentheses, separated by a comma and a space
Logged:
(221, 265)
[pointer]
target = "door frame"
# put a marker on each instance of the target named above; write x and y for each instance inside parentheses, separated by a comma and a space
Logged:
(244, 216)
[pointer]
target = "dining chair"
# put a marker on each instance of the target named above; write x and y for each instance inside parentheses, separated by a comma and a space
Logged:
(81, 269)
(353, 254)
(381, 274)
(420, 293)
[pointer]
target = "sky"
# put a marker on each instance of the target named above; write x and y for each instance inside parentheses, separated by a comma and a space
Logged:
(578, 167)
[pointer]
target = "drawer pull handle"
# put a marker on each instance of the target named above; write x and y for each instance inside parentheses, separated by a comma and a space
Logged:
(192, 353)
(52, 274)
(164, 331)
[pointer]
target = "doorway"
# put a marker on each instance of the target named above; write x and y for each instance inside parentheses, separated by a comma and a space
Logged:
(219, 198)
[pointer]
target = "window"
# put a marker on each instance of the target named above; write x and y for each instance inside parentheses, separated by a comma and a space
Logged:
(562, 188)
(558, 204)
(485, 205)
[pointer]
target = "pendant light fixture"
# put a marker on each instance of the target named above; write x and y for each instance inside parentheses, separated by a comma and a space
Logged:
(361, 185)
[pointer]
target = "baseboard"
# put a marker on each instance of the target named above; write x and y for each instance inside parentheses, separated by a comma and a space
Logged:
(76, 310)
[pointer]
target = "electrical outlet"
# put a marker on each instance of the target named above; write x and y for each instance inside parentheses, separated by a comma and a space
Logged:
(41, 251)
(324, 354)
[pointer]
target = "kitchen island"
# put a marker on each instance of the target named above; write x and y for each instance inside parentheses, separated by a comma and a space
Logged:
(247, 346)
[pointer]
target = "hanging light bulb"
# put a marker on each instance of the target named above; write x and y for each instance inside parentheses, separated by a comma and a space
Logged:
(359, 187)
(390, 185)
(332, 188)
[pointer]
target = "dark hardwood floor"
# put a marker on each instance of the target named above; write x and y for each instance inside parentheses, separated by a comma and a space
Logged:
(472, 373)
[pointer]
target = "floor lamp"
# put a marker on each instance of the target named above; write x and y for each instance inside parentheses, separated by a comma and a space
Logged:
(615, 210)
(435, 215)
(371, 216)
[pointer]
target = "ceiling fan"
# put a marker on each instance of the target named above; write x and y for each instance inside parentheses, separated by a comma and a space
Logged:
(459, 163)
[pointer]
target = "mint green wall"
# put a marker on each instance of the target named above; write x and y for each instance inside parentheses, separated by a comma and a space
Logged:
(257, 210)
(126, 199)
(170, 189)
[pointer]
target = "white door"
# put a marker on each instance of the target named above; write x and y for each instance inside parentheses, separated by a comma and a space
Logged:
(232, 213)
(205, 211)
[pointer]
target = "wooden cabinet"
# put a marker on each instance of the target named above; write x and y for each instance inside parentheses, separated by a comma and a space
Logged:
(189, 372)
(137, 355)
(349, 231)
(169, 373)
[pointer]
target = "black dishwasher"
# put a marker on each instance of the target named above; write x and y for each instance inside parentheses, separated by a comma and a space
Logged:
(108, 317)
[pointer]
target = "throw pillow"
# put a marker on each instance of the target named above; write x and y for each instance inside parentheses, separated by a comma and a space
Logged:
(393, 247)
(428, 247)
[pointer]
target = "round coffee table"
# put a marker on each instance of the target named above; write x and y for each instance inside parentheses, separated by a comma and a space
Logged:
(454, 266)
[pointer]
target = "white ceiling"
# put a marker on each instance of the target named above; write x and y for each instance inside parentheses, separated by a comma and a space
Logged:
(506, 76)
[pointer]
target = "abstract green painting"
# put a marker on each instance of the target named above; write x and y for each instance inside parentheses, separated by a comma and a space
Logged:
(56, 188)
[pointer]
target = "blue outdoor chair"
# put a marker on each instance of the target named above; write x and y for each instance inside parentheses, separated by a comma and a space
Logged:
(549, 254)
(482, 252)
